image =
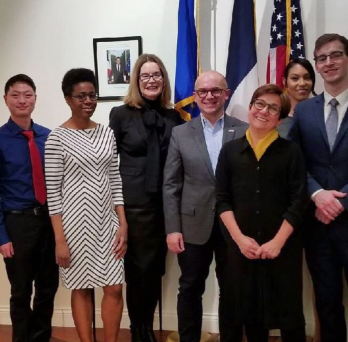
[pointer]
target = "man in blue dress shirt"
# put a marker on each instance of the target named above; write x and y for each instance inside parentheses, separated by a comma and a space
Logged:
(26, 235)
(192, 224)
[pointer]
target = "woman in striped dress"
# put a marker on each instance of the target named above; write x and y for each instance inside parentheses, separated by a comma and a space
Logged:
(86, 207)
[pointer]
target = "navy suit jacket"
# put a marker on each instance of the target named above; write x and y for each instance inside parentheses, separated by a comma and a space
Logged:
(327, 169)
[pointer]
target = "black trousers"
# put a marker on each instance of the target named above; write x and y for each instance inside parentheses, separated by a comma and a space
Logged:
(326, 257)
(256, 333)
(194, 263)
(33, 262)
(144, 262)
(142, 298)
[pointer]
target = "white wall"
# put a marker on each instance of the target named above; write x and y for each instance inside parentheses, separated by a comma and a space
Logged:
(45, 38)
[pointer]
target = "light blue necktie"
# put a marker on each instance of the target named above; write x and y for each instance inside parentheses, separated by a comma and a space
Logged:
(332, 123)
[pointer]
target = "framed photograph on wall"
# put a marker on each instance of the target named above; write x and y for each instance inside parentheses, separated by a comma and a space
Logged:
(114, 59)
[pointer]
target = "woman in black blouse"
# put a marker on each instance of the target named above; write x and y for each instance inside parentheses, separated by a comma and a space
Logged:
(299, 82)
(142, 129)
(261, 197)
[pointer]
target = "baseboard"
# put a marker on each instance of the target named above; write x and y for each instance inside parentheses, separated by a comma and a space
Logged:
(5, 315)
(63, 318)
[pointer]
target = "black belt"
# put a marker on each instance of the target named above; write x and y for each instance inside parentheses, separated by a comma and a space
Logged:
(37, 211)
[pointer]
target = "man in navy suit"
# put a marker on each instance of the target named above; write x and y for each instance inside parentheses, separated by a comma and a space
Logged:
(321, 129)
(118, 71)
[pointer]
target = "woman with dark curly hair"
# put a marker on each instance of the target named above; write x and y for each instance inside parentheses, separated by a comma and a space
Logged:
(299, 82)
(84, 192)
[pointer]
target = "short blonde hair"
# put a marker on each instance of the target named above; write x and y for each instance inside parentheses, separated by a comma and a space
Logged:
(133, 97)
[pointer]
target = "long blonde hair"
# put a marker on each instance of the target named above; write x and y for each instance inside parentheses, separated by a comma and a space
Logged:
(133, 97)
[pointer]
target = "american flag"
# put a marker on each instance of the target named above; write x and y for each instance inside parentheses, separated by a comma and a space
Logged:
(286, 39)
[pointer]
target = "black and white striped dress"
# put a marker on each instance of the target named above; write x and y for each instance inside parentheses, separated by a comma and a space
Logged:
(84, 186)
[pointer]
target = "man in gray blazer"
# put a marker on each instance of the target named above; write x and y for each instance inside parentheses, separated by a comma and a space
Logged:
(192, 225)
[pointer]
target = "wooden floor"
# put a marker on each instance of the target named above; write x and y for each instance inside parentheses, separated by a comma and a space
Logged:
(70, 335)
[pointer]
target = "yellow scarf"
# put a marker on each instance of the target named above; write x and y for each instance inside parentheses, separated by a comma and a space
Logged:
(263, 145)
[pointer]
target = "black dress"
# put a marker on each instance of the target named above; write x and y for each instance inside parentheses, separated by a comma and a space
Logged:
(145, 257)
(261, 195)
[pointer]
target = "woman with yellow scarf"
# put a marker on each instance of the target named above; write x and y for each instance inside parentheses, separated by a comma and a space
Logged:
(261, 197)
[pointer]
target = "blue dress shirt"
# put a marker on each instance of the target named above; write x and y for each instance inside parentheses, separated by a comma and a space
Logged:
(213, 138)
(16, 184)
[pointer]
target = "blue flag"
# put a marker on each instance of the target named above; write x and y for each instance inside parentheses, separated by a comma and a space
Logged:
(186, 61)
(241, 68)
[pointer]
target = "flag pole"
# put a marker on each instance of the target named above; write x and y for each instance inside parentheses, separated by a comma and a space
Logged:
(198, 31)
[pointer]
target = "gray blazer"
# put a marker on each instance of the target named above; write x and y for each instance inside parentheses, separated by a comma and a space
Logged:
(189, 180)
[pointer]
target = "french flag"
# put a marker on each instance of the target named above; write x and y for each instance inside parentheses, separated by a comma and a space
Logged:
(241, 68)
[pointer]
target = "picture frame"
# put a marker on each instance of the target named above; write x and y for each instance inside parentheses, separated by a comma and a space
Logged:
(114, 59)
